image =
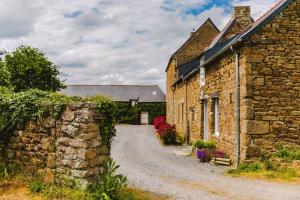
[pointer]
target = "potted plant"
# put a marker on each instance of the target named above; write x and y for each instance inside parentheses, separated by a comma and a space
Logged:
(200, 146)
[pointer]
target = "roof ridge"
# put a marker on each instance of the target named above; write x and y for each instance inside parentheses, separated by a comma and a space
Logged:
(263, 16)
(198, 29)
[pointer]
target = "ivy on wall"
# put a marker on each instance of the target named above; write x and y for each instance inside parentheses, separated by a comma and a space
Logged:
(125, 113)
(17, 109)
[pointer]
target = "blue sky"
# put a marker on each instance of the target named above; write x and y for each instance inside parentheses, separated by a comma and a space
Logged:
(111, 41)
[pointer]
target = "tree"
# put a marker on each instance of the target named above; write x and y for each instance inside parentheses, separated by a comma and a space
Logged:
(30, 68)
(4, 76)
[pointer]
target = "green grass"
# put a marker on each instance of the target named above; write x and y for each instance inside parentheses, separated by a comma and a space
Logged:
(264, 170)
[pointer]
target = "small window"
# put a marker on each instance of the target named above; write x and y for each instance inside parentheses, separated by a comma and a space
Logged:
(231, 98)
(216, 116)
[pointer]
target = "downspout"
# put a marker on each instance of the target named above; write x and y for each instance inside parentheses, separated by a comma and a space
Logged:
(237, 102)
(186, 116)
(173, 101)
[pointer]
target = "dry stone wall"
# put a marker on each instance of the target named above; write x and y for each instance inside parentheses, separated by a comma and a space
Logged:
(67, 151)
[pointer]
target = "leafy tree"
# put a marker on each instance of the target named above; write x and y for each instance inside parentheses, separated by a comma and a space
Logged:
(4, 76)
(30, 68)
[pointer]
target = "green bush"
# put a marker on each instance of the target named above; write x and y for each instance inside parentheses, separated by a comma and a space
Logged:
(200, 144)
(288, 153)
(108, 184)
(252, 167)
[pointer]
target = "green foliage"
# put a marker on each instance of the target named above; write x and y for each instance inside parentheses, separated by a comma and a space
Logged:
(8, 170)
(30, 68)
(107, 126)
(4, 76)
(200, 144)
(125, 113)
(108, 184)
(268, 165)
(19, 108)
(37, 186)
(287, 153)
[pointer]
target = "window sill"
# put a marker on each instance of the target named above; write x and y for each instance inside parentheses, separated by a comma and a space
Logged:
(216, 135)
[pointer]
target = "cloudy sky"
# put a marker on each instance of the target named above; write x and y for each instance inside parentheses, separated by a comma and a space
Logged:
(111, 41)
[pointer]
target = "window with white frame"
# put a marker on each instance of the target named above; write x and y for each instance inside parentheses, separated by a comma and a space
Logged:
(216, 116)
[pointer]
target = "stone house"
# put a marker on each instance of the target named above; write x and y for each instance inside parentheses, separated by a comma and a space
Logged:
(243, 89)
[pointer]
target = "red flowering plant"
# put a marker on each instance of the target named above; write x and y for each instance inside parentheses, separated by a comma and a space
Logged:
(165, 131)
(158, 121)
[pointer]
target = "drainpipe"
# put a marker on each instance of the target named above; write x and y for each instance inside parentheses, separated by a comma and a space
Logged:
(186, 116)
(173, 102)
(237, 102)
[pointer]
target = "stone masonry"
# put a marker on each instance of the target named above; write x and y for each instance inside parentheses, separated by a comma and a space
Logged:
(67, 151)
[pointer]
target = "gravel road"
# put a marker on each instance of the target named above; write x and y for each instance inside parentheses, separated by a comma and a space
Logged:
(155, 168)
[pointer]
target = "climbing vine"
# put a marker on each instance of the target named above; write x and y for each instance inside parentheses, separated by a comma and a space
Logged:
(17, 109)
(107, 126)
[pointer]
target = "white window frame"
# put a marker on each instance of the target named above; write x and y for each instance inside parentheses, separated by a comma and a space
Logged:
(216, 116)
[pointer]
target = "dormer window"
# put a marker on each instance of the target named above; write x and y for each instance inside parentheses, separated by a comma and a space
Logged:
(154, 93)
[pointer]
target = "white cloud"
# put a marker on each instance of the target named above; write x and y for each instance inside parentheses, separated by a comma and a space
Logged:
(108, 41)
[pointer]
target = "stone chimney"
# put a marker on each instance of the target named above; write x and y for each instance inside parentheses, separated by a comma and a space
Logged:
(242, 16)
(241, 12)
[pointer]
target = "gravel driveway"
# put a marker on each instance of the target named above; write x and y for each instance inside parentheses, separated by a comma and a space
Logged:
(155, 168)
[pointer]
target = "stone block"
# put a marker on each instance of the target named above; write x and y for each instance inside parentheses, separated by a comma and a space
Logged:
(49, 175)
(270, 118)
(78, 143)
(90, 154)
(260, 81)
(81, 164)
(89, 127)
(89, 135)
(253, 151)
(69, 130)
(83, 116)
(51, 161)
(266, 71)
(98, 161)
(68, 115)
(254, 127)
(295, 113)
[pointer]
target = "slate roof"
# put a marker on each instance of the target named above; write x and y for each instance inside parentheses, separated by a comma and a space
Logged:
(122, 93)
(217, 48)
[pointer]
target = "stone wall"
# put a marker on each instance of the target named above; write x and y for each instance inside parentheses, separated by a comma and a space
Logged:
(273, 62)
(170, 78)
(68, 150)
(193, 108)
(180, 109)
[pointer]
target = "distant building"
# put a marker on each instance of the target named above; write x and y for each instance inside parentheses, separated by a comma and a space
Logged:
(131, 94)
(242, 89)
